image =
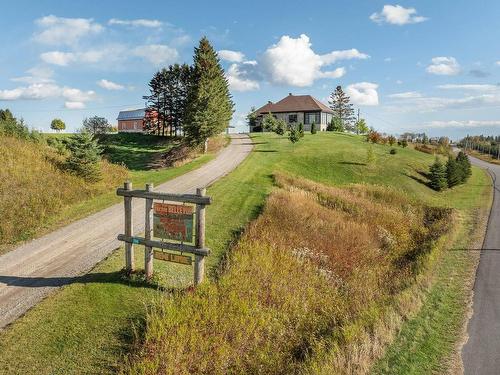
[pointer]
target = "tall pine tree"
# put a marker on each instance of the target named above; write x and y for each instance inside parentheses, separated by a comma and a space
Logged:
(209, 107)
(342, 108)
(438, 176)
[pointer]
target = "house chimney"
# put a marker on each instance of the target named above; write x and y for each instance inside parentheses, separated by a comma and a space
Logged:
(269, 102)
(290, 94)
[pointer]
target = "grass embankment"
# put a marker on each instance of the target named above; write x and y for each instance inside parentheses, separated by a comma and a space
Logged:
(39, 196)
(88, 326)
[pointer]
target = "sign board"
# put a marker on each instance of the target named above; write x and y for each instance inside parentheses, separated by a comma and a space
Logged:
(176, 258)
(173, 221)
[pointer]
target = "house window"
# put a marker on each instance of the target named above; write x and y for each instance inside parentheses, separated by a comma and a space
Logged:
(309, 118)
(292, 118)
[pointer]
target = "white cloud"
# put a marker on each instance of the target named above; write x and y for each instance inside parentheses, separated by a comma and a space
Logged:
(36, 75)
(470, 87)
(444, 66)
(39, 91)
(156, 54)
(406, 95)
(64, 31)
(58, 58)
(399, 82)
(293, 62)
(388, 59)
(363, 93)
(462, 123)
(74, 105)
(497, 62)
(138, 22)
(397, 15)
(237, 80)
(108, 85)
(232, 56)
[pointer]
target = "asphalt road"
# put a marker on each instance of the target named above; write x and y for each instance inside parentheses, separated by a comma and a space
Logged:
(33, 270)
(481, 353)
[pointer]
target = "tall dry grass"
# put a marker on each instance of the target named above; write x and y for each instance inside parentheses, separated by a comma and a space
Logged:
(33, 188)
(305, 290)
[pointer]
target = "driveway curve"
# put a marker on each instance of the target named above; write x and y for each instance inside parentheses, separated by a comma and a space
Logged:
(33, 270)
(481, 352)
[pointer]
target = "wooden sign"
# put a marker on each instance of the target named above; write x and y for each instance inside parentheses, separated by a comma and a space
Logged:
(175, 258)
(173, 221)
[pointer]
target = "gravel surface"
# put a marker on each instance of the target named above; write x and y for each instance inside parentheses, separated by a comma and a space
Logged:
(33, 270)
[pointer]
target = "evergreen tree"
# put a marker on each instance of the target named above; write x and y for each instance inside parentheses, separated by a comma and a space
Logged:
(293, 134)
(370, 156)
(252, 119)
(438, 176)
(209, 107)
(361, 127)
(313, 128)
(464, 165)
(342, 108)
(301, 129)
(57, 124)
(280, 128)
(335, 125)
(6, 115)
(269, 122)
(84, 157)
(453, 173)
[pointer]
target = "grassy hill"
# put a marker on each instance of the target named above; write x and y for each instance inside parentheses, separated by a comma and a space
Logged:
(275, 308)
(38, 196)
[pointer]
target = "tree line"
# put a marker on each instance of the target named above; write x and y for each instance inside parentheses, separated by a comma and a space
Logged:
(191, 101)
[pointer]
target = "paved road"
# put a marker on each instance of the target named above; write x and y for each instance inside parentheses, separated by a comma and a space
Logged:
(481, 353)
(31, 271)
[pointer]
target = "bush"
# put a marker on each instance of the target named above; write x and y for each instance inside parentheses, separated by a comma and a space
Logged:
(313, 128)
(404, 143)
(84, 157)
(280, 127)
(301, 130)
(391, 140)
(393, 151)
(293, 134)
(336, 125)
(374, 137)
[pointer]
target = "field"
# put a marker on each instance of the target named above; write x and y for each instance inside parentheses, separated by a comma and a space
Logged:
(89, 327)
(56, 198)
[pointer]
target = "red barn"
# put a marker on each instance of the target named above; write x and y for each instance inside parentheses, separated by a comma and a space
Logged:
(133, 121)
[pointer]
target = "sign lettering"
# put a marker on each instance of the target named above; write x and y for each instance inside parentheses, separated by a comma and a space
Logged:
(175, 258)
(173, 221)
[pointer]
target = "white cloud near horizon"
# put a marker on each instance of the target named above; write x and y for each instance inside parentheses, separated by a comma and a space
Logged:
(363, 93)
(231, 56)
(470, 87)
(397, 15)
(462, 123)
(405, 95)
(293, 62)
(109, 85)
(141, 22)
(74, 105)
(64, 31)
(442, 65)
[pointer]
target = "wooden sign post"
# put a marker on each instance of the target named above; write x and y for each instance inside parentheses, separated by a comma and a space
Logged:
(171, 222)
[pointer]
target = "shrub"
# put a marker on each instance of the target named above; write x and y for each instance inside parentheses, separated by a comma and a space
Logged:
(336, 125)
(404, 143)
(313, 128)
(269, 122)
(293, 134)
(373, 137)
(438, 176)
(280, 127)
(301, 130)
(84, 157)
(391, 140)
(393, 151)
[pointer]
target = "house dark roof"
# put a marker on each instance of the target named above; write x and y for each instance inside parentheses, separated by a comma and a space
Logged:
(135, 114)
(295, 103)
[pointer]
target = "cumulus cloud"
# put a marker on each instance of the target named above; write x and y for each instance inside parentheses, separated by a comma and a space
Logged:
(292, 61)
(443, 66)
(397, 15)
(64, 31)
(406, 95)
(363, 93)
(74, 105)
(156, 54)
(39, 91)
(65, 58)
(141, 22)
(238, 79)
(231, 56)
(36, 75)
(108, 85)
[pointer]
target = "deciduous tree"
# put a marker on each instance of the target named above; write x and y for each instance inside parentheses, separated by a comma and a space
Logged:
(57, 124)
(96, 125)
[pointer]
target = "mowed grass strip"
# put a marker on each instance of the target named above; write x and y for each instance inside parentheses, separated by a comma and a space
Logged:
(102, 318)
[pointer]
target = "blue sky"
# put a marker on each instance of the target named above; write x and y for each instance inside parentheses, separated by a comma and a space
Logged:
(430, 66)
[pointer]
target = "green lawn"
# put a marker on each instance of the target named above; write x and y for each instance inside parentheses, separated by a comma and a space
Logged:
(88, 327)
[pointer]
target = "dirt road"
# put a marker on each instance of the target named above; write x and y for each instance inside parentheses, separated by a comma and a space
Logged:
(481, 353)
(31, 271)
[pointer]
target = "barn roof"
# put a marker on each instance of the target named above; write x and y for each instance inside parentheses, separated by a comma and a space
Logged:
(134, 114)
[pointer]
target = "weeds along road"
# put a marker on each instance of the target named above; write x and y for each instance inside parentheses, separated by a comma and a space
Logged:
(481, 353)
(31, 271)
